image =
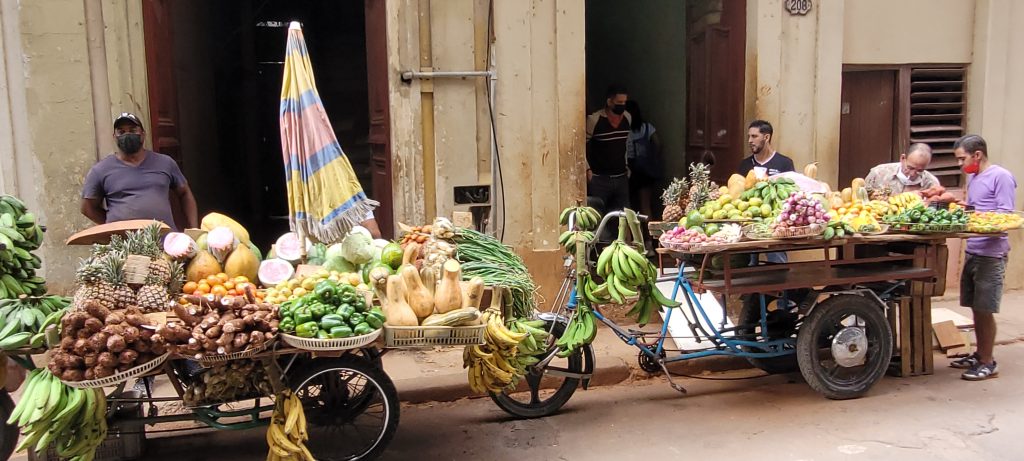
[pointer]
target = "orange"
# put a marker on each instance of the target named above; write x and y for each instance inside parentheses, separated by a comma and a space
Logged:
(219, 290)
(189, 288)
(212, 280)
(223, 277)
(241, 279)
(229, 284)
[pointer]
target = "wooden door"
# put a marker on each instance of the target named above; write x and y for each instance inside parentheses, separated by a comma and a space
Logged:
(715, 75)
(162, 126)
(867, 122)
(380, 117)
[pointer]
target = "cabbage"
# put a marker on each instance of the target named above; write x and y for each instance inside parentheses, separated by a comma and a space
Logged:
(339, 264)
(361, 230)
(357, 248)
(333, 251)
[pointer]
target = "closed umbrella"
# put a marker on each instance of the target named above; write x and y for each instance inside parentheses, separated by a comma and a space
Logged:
(325, 198)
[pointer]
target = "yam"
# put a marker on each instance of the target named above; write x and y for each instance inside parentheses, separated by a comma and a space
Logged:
(72, 375)
(96, 310)
(106, 360)
(233, 326)
(116, 344)
(256, 340)
(186, 314)
(114, 318)
(128, 357)
(136, 320)
(93, 325)
(225, 339)
(241, 340)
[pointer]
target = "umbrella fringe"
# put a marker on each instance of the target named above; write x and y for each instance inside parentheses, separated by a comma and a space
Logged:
(334, 231)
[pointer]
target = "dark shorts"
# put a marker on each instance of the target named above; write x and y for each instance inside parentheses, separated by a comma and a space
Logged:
(981, 283)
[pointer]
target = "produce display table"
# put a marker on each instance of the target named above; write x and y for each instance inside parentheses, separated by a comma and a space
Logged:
(918, 260)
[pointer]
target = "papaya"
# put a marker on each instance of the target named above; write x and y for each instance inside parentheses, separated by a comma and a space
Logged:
(750, 180)
(242, 261)
(214, 220)
(202, 266)
(737, 184)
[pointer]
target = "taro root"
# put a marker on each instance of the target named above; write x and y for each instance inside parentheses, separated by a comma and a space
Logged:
(72, 375)
(158, 349)
(141, 346)
(128, 357)
(106, 360)
(102, 371)
(114, 330)
(89, 360)
(90, 374)
(116, 344)
(74, 320)
(96, 310)
(67, 343)
(93, 325)
(131, 334)
(81, 347)
(115, 318)
(96, 342)
(82, 334)
(55, 368)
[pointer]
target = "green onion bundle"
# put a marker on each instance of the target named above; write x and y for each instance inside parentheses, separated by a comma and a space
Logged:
(486, 257)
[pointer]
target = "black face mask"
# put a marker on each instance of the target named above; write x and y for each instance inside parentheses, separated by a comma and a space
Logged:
(129, 143)
(618, 109)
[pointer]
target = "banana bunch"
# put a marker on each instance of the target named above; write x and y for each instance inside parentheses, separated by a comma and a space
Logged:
(19, 236)
(535, 342)
(587, 218)
(648, 299)
(623, 269)
(23, 321)
(582, 330)
(879, 208)
(902, 202)
(287, 433)
(495, 365)
(569, 239)
(49, 412)
(772, 192)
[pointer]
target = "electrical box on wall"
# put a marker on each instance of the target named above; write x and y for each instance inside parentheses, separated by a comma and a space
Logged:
(476, 200)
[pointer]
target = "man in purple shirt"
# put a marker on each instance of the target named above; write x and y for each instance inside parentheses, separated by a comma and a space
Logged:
(989, 188)
(135, 183)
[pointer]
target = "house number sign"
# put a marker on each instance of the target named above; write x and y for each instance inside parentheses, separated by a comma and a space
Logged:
(795, 7)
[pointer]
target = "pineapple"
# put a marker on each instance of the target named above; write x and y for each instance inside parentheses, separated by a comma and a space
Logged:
(700, 186)
(160, 270)
(176, 278)
(153, 296)
(93, 286)
(113, 269)
(672, 198)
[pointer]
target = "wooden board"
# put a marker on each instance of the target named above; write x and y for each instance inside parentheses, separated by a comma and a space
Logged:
(101, 233)
(941, 314)
(947, 335)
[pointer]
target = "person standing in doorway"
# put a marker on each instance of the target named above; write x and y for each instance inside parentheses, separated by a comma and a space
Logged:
(643, 154)
(607, 133)
(135, 183)
(989, 188)
(764, 159)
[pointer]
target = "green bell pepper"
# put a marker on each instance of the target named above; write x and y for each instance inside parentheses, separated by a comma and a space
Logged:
(342, 331)
(318, 310)
(287, 325)
(330, 321)
(302, 315)
(363, 329)
(307, 330)
(356, 318)
(373, 321)
(326, 291)
(345, 311)
(323, 334)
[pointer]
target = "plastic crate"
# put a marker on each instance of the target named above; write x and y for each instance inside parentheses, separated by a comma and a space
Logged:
(396, 337)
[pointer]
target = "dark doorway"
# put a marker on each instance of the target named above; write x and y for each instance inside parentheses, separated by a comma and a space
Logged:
(228, 63)
(867, 123)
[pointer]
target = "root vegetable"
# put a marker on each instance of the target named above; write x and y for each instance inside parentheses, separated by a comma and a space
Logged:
(97, 310)
(114, 330)
(114, 318)
(103, 372)
(67, 343)
(241, 340)
(214, 332)
(81, 347)
(234, 326)
(93, 325)
(74, 320)
(106, 360)
(141, 346)
(97, 342)
(72, 375)
(131, 334)
(136, 320)
(186, 314)
(128, 357)
(89, 359)
(225, 339)
(90, 374)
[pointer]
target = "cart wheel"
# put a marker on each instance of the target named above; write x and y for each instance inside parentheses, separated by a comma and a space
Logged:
(351, 407)
(538, 400)
(781, 324)
(844, 346)
(9, 433)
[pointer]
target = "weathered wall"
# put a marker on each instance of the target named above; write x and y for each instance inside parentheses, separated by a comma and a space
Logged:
(794, 76)
(643, 46)
(440, 127)
(995, 96)
(907, 31)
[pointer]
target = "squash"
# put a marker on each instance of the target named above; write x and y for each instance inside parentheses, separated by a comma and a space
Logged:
(459, 317)
(737, 184)
(412, 251)
(847, 195)
(472, 292)
(448, 295)
(397, 312)
(429, 279)
(861, 194)
(857, 183)
(750, 180)
(811, 170)
(419, 299)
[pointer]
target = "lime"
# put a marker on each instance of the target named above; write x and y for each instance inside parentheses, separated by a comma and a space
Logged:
(755, 201)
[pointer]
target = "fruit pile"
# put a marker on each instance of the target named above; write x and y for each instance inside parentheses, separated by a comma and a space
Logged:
(19, 236)
(729, 233)
(219, 285)
(25, 320)
(921, 218)
(799, 211)
(73, 420)
(228, 382)
(111, 273)
(287, 434)
(861, 216)
(97, 342)
(993, 221)
(299, 287)
(224, 248)
(330, 311)
(210, 325)
(902, 202)
(685, 195)
(496, 364)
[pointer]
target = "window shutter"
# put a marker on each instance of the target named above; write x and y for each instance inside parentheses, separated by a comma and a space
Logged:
(937, 106)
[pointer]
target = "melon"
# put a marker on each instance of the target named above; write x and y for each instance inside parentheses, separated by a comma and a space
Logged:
(274, 271)
(288, 247)
(256, 251)
(215, 220)
(242, 262)
(202, 266)
(392, 255)
(221, 242)
(178, 245)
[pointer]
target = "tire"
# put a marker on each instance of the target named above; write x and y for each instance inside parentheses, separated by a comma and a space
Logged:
(359, 393)
(814, 346)
(9, 433)
(781, 324)
(536, 407)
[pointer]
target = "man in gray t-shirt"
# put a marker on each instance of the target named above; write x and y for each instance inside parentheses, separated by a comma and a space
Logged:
(135, 183)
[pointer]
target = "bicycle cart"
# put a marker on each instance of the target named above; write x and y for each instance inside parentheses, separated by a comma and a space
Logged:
(833, 318)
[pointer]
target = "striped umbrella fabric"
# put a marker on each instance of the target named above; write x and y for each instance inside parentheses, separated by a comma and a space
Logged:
(325, 199)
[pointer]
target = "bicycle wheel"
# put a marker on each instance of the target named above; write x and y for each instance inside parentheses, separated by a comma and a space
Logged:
(547, 389)
(351, 407)
(9, 433)
(781, 324)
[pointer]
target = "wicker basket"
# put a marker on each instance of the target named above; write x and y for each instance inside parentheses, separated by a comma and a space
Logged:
(927, 228)
(396, 337)
(336, 344)
(802, 232)
(118, 378)
(210, 359)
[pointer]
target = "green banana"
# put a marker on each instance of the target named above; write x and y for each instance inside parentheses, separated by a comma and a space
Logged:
(661, 299)
(15, 341)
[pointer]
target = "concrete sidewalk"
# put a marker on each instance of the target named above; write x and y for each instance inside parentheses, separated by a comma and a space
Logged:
(436, 374)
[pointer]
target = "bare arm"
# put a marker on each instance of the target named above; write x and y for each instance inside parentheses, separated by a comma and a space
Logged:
(371, 225)
(92, 208)
(188, 206)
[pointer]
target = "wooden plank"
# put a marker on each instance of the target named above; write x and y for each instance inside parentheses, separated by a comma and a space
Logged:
(941, 265)
(904, 337)
(941, 314)
(917, 331)
(947, 335)
(926, 324)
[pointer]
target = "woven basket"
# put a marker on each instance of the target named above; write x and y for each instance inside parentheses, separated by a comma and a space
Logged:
(118, 378)
(334, 344)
